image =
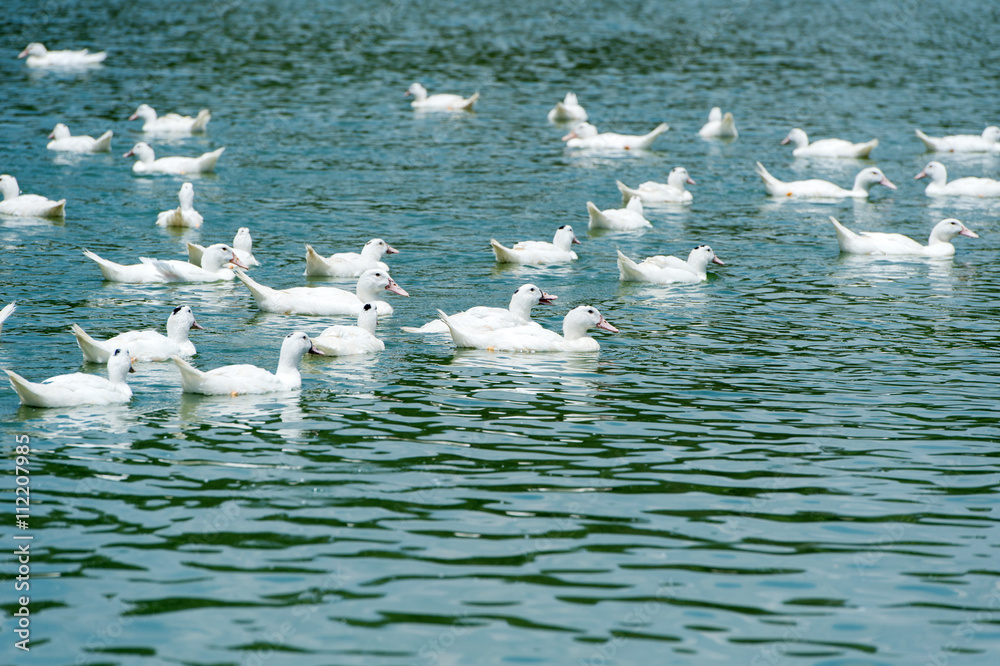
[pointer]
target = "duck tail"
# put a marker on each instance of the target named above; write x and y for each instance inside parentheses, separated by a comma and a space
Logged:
(6, 312)
(867, 148)
(257, 290)
(201, 121)
(728, 126)
(25, 389)
(103, 144)
(628, 270)
(58, 210)
(109, 269)
(461, 338)
(504, 255)
(844, 235)
(191, 376)
(194, 253)
(628, 193)
(315, 263)
(771, 184)
(208, 160)
(596, 216)
(469, 103)
(928, 142)
(93, 350)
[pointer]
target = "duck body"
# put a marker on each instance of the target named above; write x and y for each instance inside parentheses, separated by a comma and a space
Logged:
(27, 205)
(351, 340)
(171, 123)
(78, 388)
(896, 245)
(184, 215)
(145, 345)
(539, 252)
(534, 338)
(719, 125)
(987, 142)
(249, 379)
(962, 187)
(651, 192)
(485, 318)
(213, 268)
(147, 163)
(585, 135)
(38, 56)
(567, 110)
(662, 269)
(63, 141)
(6, 312)
(620, 219)
(326, 300)
(827, 147)
(823, 189)
(349, 264)
(441, 102)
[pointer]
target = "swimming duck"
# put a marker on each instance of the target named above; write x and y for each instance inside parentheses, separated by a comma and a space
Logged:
(876, 243)
(78, 388)
(665, 269)
(823, 189)
(147, 162)
(242, 247)
(6, 313)
(63, 141)
(987, 142)
(171, 123)
(673, 191)
(213, 267)
(422, 102)
(243, 379)
(566, 110)
(326, 300)
(485, 318)
(27, 205)
(349, 264)
(350, 340)
(184, 215)
(719, 126)
(539, 252)
(145, 345)
(827, 147)
(621, 219)
(38, 56)
(534, 338)
(585, 135)
(966, 187)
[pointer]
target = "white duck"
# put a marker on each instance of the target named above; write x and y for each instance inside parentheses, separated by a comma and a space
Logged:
(663, 269)
(147, 162)
(484, 318)
(184, 215)
(350, 340)
(875, 243)
(326, 300)
(63, 141)
(6, 313)
(145, 345)
(964, 187)
(585, 135)
(621, 219)
(242, 379)
(213, 267)
(423, 102)
(349, 264)
(539, 252)
(650, 192)
(78, 388)
(827, 147)
(567, 110)
(39, 56)
(719, 126)
(27, 205)
(987, 142)
(824, 189)
(534, 338)
(242, 247)
(171, 123)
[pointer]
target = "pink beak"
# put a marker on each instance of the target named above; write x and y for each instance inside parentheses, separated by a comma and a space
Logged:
(198, 326)
(313, 350)
(53, 135)
(922, 174)
(571, 135)
(785, 140)
(395, 288)
(236, 262)
(23, 54)
(690, 181)
(575, 241)
(606, 325)
(129, 153)
(716, 260)
(133, 116)
(390, 249)
(968, 232)
(885, 181)
(546, 299)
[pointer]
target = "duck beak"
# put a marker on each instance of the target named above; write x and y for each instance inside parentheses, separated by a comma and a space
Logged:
(690, 181)
(885, 181)
(313, 350)
(968, 232)
(22, 54)
(52, 135)
(395, 288)
(133, 116)
(131, 361)
(606, 325)
(236, 262)
(716, 260)
(546, 299)
(129, 153)
(922, 174)
(195, 324)
(785, 141)
(575, 241)
(390, 249)
(571, 135)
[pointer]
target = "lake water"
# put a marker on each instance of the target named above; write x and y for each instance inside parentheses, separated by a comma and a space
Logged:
(793, 463)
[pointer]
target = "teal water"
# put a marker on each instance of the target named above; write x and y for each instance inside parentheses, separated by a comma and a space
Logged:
(793, 463)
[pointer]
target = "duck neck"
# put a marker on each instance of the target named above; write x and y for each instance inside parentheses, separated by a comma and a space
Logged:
(9, 189)
(520, 307)
(178, 330)
(288, 367)
(574, 330)
(371, 252)
(368, 320)
(698, 263)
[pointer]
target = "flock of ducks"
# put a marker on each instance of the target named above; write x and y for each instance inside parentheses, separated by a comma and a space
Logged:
(482, 327)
